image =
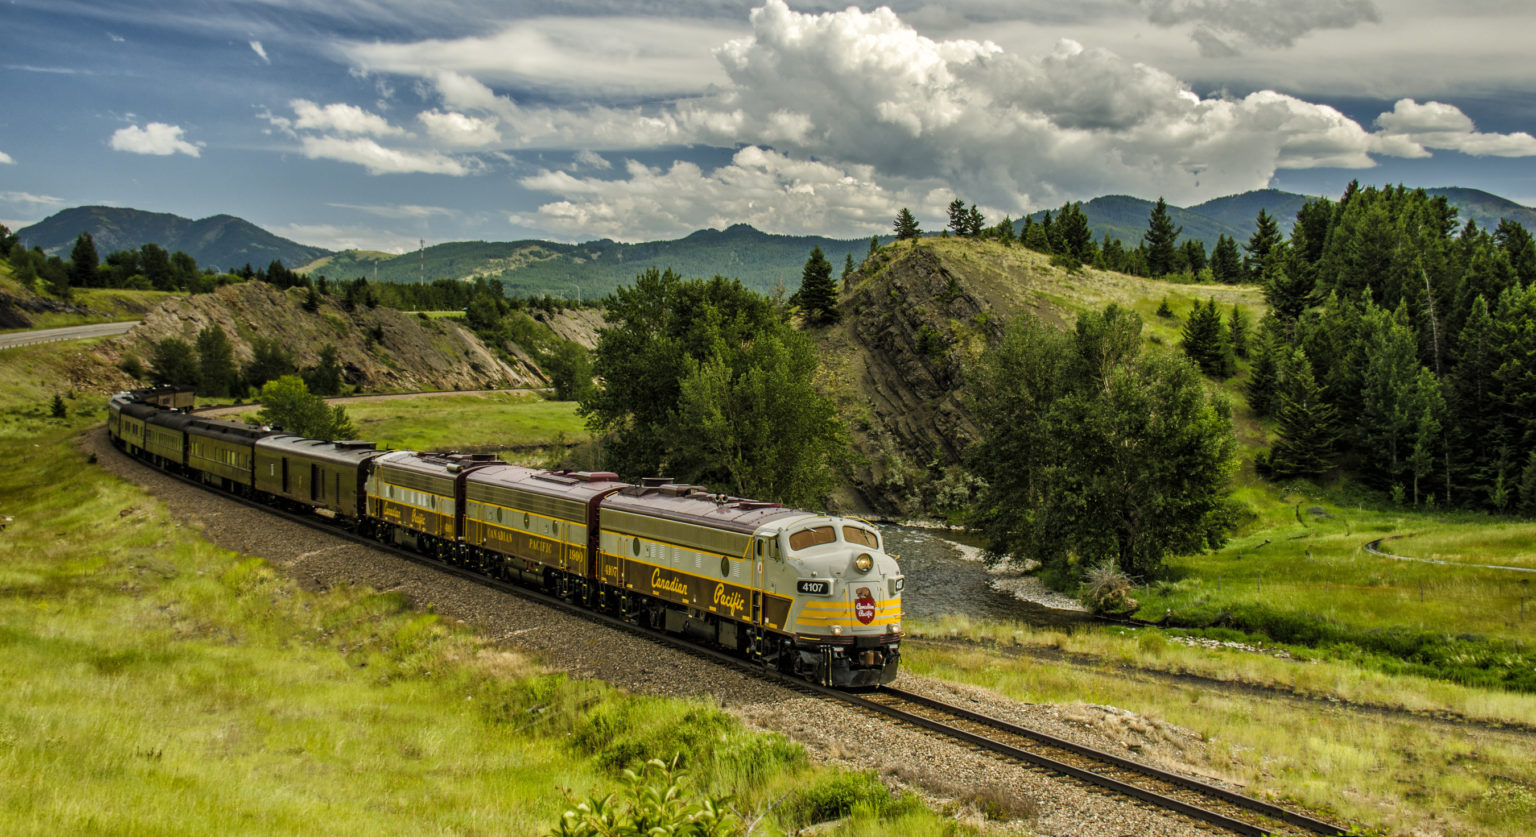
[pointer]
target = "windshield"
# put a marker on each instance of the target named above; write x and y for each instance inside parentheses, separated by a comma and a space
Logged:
(815, 536)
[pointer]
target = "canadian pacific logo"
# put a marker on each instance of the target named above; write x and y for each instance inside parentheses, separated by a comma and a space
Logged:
(731, 600)
(864, 606)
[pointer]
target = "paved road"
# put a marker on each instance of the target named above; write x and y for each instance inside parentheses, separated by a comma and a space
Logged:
(49, 335)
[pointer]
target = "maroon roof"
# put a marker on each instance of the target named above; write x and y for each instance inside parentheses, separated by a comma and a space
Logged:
(692, 504)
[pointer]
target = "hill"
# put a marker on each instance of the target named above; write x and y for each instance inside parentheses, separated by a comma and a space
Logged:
(223, 242)
(379, 349)
(918, 314)
(762, 261)
(1487, 209)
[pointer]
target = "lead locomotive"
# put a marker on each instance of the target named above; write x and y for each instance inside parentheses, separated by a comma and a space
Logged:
(810, 594)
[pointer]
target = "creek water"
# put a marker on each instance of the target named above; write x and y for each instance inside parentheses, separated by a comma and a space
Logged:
(941, 581)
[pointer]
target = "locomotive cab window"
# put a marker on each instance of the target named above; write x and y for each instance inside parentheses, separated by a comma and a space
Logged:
(861, 536)
(815, 536)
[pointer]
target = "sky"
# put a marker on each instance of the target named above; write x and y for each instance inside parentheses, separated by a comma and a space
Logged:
(377, 124)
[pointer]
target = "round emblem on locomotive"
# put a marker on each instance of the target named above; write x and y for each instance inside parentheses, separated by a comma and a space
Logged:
(725, 567)
(864, 606)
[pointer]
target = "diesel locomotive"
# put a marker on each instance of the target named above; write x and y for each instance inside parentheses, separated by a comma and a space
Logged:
(810, 594)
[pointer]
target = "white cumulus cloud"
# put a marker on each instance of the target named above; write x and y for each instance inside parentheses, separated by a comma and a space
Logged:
(260, 51)
(5, 159)
(1442, 126)
(378, 159)
(457, 129)
(156, 138)
(340, 118)
(769, 190)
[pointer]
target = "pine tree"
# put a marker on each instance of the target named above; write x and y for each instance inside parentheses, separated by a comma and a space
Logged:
(57, 409)
(1519, 248)
(1308, 424)
(974, 221)
(325, 378)
(1474, 429)
(173, 363)
(847, 269)
(874, 247)
(1388, 409)
(959, 218)
(906, 226)
(1076, 235)
(1226, 267)
(1037, 236)
(1428, 430)
(1266, 235)
(1205, 341)
(1237, 331)
(216, 362)
(1193, 256)
(83, 262)
(818, 294)
(1527, 502)
(1004, 230)
(1264, 384)
(1160, 241)
(1287, 293)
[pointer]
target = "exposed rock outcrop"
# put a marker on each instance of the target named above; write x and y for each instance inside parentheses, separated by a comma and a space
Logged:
(379, 349)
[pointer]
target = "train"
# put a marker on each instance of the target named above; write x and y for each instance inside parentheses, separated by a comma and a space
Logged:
(812, 595)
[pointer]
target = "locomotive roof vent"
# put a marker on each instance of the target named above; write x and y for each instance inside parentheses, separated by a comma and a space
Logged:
(355, 444)
(655, 482)
(677, 490)
(588, 476)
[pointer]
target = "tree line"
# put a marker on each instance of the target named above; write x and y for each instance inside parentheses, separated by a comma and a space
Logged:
(1399, 346)
(1066, 236)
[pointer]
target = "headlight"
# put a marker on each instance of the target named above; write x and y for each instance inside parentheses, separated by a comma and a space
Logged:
(864, 563)
(837, 630)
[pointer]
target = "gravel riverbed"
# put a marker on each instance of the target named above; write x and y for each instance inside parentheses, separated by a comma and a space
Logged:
(936, 768)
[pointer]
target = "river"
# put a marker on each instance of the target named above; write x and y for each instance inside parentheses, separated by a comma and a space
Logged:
(942, 581)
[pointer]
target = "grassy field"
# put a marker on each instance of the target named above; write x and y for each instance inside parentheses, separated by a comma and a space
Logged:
(156, 684)
(500, 422)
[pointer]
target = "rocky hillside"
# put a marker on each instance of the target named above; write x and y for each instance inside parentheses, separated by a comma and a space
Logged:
(921, 313)
(380, 349)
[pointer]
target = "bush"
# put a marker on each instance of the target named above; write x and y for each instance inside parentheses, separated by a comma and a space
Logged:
(654, 800)
(1107, 590)
(840, 795)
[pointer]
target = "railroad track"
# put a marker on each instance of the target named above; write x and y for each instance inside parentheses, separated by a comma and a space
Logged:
(1216, 806)
(1191, 798)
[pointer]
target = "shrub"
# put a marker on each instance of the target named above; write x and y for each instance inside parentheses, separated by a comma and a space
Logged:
(1107, 590)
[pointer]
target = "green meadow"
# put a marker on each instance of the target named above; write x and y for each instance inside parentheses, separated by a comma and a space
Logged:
(514, 422)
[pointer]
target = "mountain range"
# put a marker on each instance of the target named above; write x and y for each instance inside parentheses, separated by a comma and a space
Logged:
(762, 261)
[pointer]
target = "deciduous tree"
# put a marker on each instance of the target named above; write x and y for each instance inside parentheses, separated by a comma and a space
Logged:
(287, 403)
(1093, 450)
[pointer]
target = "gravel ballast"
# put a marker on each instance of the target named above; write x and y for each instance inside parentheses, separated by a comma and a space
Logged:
(565, 642)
